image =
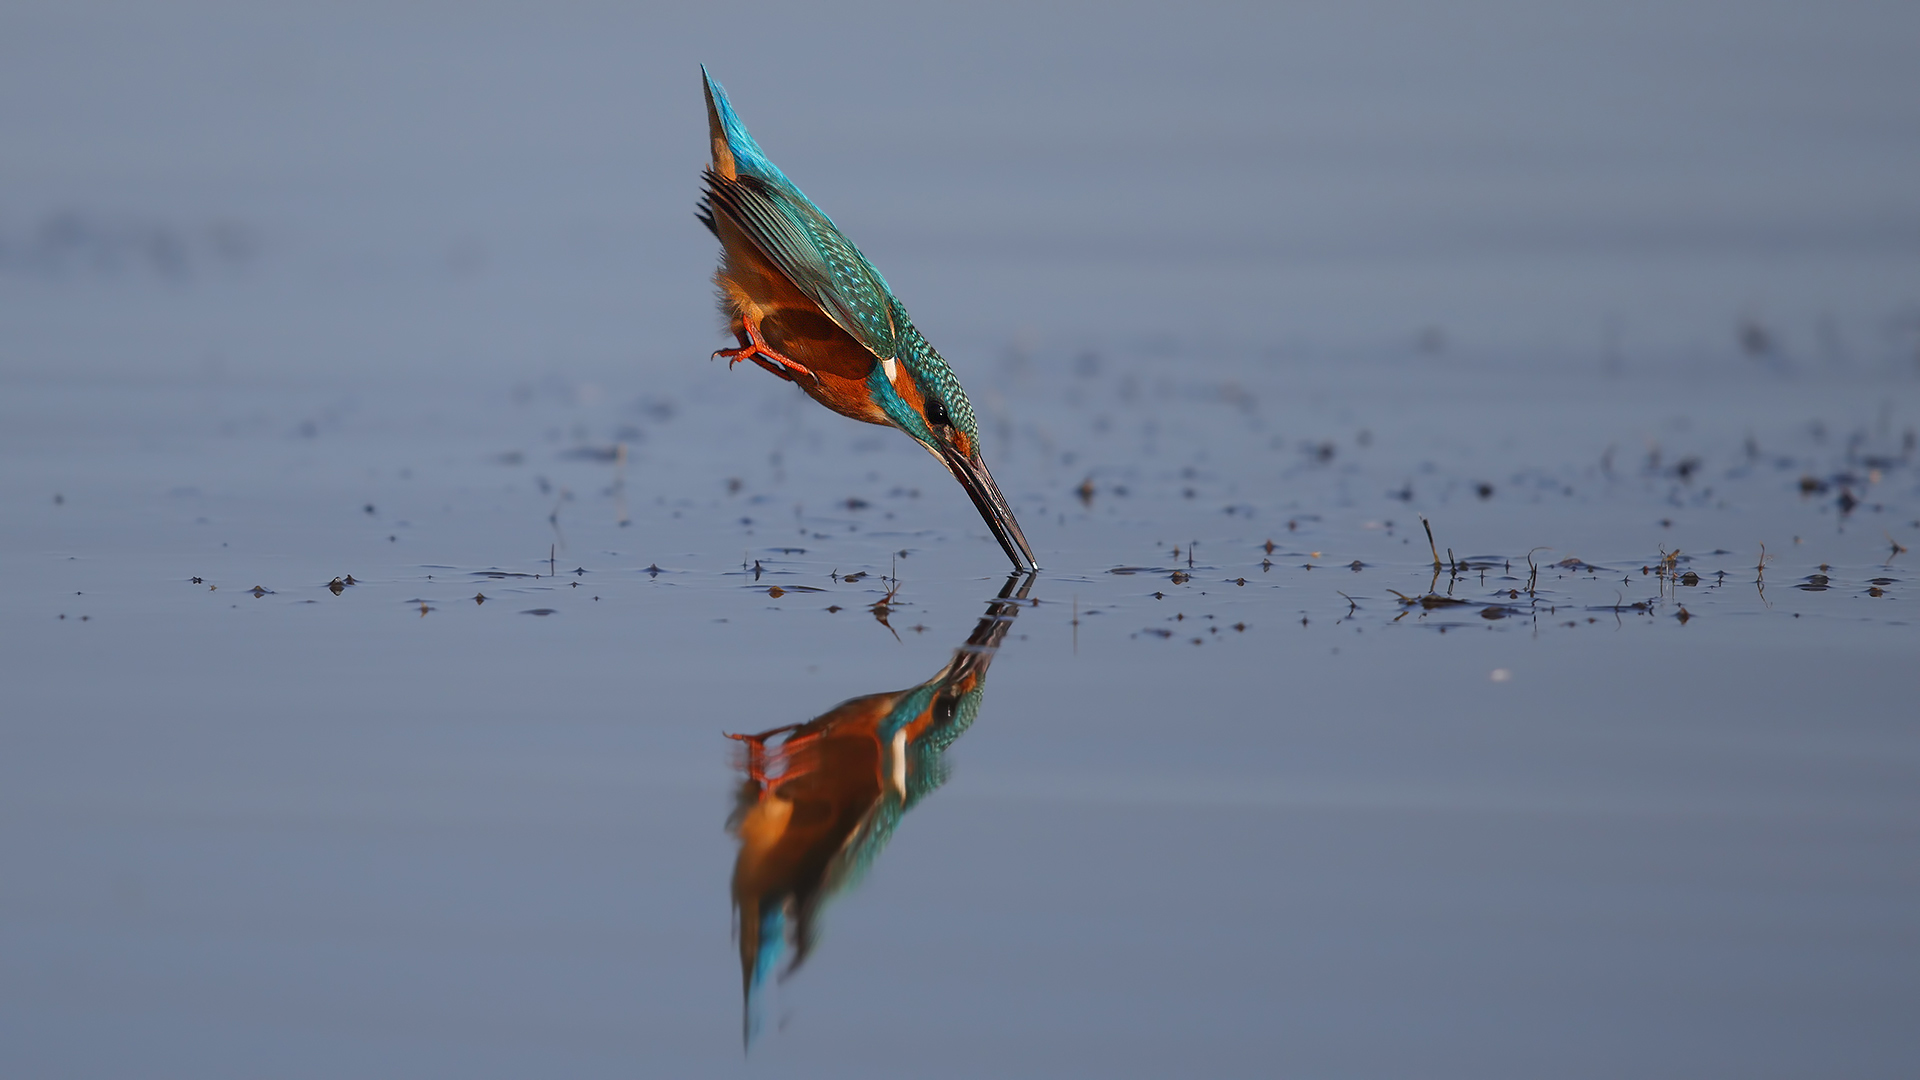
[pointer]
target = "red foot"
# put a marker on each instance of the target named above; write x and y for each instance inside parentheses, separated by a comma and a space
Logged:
(757, 752)
(757, 350)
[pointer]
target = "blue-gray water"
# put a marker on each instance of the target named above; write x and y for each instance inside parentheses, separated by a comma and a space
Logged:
(417, 297)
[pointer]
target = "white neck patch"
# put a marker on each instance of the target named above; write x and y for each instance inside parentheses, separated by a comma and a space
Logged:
(892, 367)
(899, 776)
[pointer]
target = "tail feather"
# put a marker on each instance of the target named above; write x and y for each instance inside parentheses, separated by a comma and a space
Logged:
(734, 151)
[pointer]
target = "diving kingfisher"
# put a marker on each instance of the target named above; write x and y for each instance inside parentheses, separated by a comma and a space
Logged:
(807, 306)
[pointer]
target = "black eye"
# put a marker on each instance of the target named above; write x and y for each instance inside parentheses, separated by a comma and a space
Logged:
(937, 413)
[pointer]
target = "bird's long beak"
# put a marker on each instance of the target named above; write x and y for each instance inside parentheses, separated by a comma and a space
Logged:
(973, 476)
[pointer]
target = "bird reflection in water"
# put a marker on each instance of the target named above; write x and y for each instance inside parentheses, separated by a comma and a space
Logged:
(818, 806)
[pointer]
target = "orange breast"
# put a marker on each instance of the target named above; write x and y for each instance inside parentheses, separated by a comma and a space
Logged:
(750, 286)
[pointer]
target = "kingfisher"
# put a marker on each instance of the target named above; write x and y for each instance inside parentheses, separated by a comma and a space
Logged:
(814, 811)
(808, 307)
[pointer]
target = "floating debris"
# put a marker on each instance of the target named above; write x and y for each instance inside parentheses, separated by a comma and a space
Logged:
(1430, 600)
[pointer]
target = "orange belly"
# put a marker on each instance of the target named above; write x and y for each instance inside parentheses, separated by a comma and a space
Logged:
(751, 287)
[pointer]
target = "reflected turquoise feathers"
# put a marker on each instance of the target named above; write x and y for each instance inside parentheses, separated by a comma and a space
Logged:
(819, 805)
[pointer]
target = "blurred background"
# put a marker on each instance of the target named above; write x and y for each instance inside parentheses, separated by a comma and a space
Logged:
(483, 190)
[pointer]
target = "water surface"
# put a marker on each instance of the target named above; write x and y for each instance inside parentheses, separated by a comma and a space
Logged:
(389, 565)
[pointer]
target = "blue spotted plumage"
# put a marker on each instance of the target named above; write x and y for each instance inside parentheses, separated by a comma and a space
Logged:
(806, 305)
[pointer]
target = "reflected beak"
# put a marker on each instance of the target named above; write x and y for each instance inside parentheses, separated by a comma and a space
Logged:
(992, 505)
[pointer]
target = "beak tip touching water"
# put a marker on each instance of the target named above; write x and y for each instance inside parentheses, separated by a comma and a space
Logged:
(973, 475)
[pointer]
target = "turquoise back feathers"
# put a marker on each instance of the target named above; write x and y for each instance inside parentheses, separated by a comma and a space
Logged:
(800, 239)
(806, 305)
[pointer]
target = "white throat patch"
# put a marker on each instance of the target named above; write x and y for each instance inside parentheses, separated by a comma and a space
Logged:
(899, 776)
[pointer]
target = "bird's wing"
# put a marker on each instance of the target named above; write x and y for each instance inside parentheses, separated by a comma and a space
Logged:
(793, 233)
(804, 245)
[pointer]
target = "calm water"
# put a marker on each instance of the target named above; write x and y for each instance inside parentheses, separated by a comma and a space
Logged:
(1240, 784)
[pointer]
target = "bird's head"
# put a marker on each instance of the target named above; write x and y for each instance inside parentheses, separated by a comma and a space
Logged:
(921, 397)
